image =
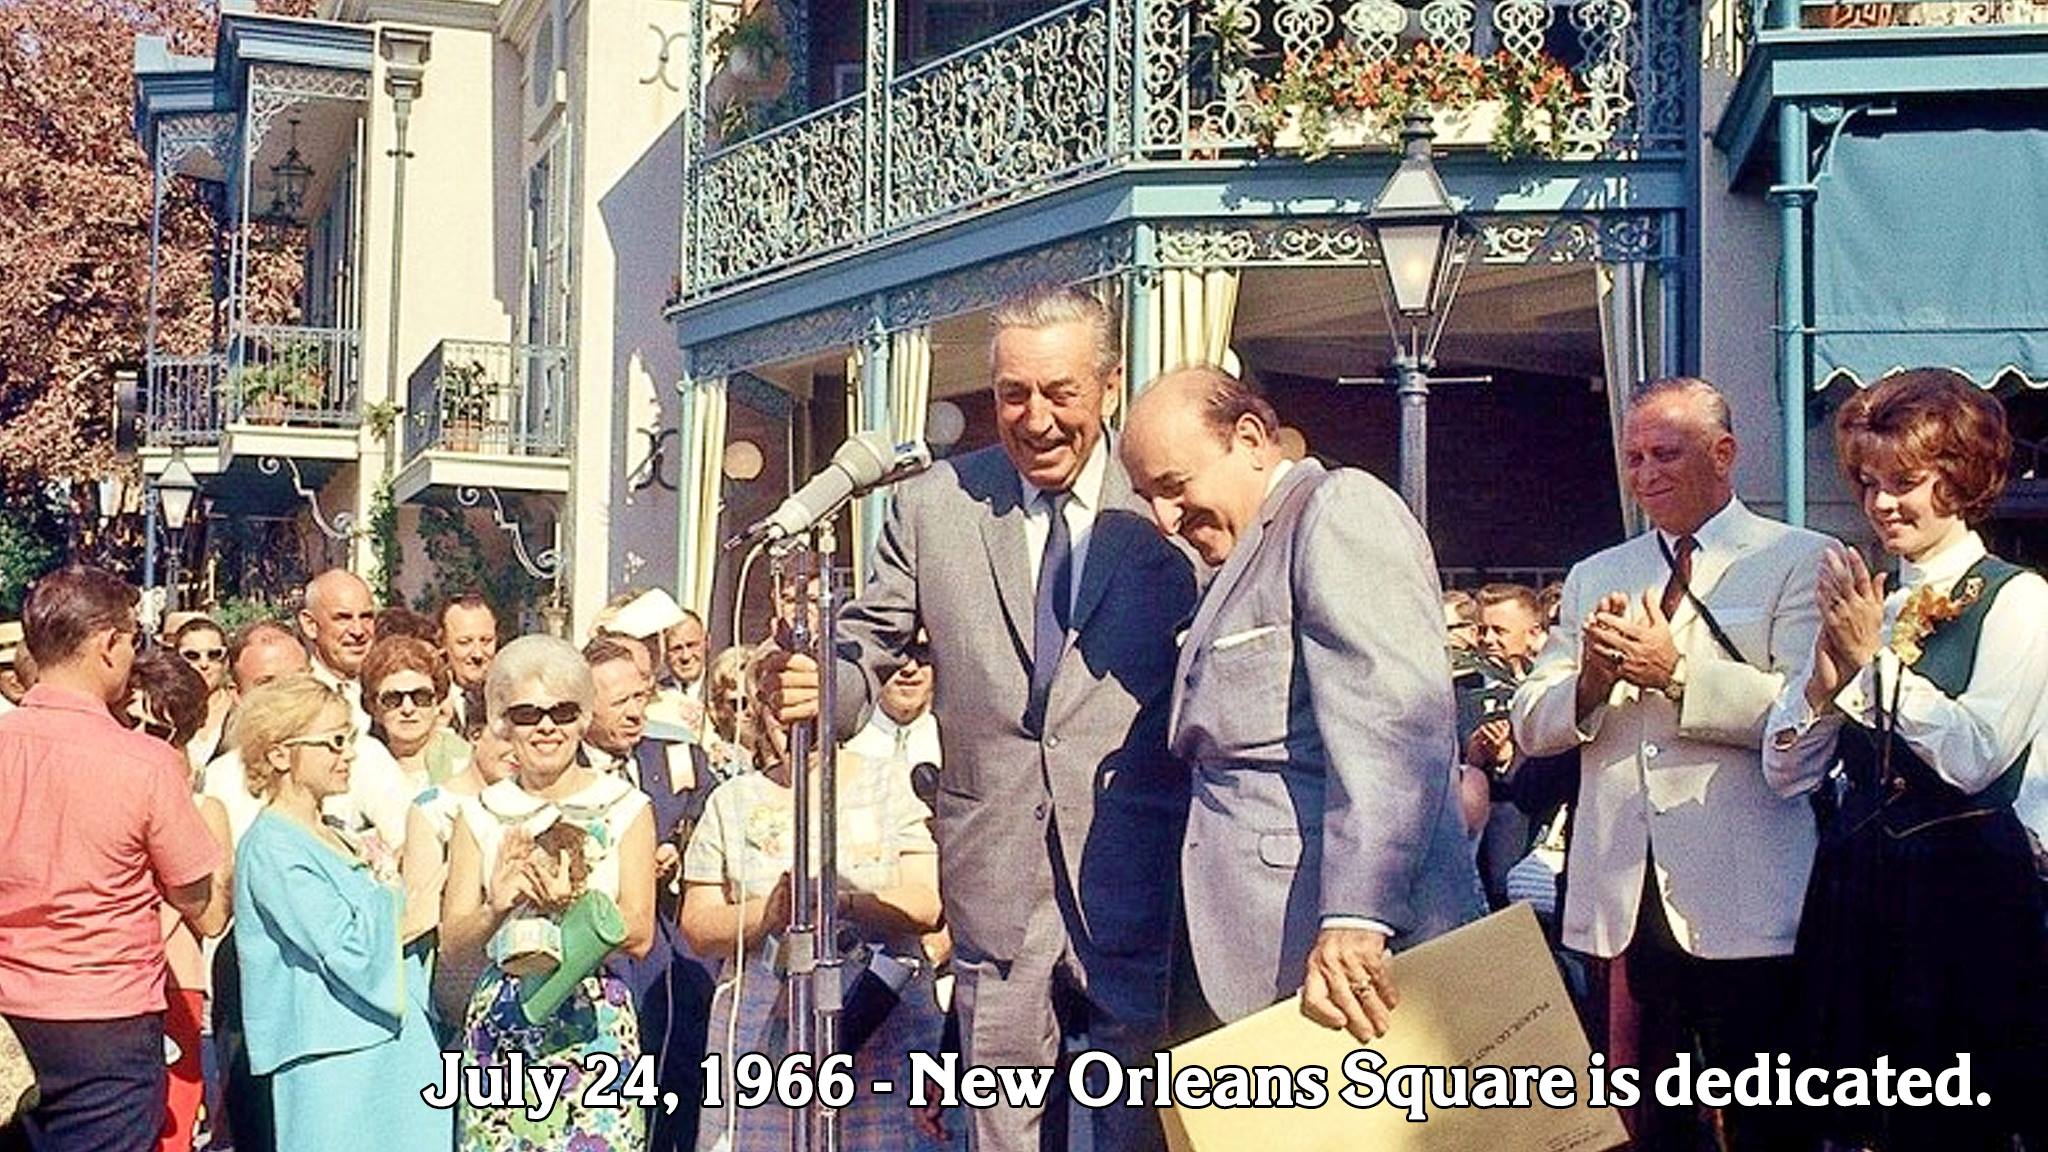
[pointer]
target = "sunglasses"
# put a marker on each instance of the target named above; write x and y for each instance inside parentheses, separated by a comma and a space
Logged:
(335, 742)
(209, 655)
(156, 728)
(530, 715)
(421, 698)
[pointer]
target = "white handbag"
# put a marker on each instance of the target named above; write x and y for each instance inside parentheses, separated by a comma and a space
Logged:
(18, 1093)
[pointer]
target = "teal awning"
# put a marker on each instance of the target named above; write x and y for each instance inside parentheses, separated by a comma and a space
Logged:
(1930, 238)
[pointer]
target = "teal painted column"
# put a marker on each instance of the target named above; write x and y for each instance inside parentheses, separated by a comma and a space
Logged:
(689, 524)
(1141, 315)
(1793, 194)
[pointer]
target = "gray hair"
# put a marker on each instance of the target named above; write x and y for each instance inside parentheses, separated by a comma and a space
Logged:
(1050, 304)
(1712, 404)
(552, 663)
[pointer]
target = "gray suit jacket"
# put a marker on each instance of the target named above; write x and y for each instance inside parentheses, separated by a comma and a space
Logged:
(1314, 704)
(952, 557)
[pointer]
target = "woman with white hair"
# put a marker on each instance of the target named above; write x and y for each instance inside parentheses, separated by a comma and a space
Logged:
(550, 872)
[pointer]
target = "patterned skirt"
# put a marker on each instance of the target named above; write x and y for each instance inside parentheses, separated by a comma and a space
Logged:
(597, 1018)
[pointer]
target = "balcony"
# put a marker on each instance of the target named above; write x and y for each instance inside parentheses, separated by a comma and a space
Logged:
(487, 414)
(277, 390)
(183, 402)
(1101, 85)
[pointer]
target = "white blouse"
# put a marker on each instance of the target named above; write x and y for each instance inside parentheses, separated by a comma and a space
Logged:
(1968, 740)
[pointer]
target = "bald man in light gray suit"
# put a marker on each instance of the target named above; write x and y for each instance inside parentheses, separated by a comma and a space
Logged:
(1313, 701)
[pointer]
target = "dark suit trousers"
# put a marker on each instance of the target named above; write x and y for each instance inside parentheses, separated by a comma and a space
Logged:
(102, 1084)
(1722, 1011)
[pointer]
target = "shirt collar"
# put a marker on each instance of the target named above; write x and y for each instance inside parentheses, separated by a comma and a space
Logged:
(1944, 566)
(1087, 489)
(1716, 533)
(65, 700)
(1279, 470)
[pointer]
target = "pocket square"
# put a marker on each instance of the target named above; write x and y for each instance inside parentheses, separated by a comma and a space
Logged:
(1222, 643)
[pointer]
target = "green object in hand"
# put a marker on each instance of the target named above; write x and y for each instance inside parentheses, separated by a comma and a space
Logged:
(591, 928)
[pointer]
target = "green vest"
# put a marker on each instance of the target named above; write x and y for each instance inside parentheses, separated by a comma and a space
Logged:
(1905, 795)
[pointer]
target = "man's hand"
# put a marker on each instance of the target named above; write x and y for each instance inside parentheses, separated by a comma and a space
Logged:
(1348, 984)
(1640, 651)
(789, 685)
(1599, 670)
(1491, 745)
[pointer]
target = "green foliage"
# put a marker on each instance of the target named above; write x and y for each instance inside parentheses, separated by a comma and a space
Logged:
(31, 544)
(460, 566)
(384, 538)
(294, 376)
(381, 416)
(234, 612)
(467, 391)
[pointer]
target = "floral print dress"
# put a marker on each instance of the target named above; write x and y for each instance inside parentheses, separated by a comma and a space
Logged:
(597, 1019)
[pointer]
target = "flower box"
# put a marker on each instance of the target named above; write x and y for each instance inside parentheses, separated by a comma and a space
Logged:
(1353, 130)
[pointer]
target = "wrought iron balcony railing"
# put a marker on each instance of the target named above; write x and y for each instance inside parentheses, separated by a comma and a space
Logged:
(183, 402)
(489, 396)
(1097, 84)
(1839, 15)
(289, 375)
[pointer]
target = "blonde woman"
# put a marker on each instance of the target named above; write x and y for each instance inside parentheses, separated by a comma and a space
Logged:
(326, 1005)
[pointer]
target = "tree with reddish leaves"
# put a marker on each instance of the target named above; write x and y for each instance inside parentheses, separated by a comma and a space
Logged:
(74, 227)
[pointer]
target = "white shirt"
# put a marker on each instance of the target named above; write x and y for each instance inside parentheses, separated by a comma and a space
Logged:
(1080, 514)
(878, 741)
(350, 689)
(228, 782)
(1968, 740)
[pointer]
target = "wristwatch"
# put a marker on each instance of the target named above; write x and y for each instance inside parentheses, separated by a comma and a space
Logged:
(1674, 689)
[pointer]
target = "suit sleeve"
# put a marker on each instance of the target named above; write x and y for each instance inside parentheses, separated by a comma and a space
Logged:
(1728, 701)
(1369, 635)
(1544, 714)
(880, 623)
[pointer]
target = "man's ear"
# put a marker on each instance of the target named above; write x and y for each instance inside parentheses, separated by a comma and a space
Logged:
(1725, 450)
(309, 624)
(1251, 432)
(1113, 391)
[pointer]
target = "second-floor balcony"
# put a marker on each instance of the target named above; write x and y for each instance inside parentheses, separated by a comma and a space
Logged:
(273, 377)
(487, 413)
(1098, 85)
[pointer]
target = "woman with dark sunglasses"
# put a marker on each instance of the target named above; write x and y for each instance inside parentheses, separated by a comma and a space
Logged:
(332, 1012)
(203, 645)
(533, 861)
(404, 682)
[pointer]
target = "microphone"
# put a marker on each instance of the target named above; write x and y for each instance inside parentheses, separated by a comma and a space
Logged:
(865, 462)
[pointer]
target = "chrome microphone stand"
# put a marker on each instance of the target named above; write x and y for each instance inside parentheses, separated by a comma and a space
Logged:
(811, 944)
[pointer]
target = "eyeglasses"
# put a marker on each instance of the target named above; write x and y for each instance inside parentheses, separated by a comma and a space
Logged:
(421, 698)
(529, 715)
(208, 655)
(335, 742)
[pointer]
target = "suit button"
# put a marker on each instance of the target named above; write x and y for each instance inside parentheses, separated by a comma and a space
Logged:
(1038, 812)
(1650, 751)
(1052, 741)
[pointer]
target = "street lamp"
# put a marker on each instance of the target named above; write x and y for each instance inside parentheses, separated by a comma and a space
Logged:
(1424, 247)
(175, 489)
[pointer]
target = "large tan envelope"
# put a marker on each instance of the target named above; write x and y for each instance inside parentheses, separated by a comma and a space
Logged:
(1486, 994)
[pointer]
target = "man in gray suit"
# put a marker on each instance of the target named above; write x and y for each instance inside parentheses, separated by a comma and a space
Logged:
(1051, 605)
(1313, 701)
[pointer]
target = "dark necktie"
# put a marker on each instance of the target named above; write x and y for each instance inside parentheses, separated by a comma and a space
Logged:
(1681, 573)
(1053, 604)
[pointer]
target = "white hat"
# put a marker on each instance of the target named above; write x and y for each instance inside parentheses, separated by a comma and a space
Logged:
(644, 616)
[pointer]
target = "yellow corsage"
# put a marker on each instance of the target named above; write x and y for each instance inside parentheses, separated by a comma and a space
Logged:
(1926, 609)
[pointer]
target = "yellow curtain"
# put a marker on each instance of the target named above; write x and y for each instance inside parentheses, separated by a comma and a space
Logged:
(703, 479)
(1196, 308)
(910, 382)
(1631, 343)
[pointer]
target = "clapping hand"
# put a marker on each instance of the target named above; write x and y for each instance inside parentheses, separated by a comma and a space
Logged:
(1851, 603)
(550, 882)
(1640, 650)
(509, 886)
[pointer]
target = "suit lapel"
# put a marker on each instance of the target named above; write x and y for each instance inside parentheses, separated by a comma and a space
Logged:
(1107, 543)
(1219, 589)
(1003, 535)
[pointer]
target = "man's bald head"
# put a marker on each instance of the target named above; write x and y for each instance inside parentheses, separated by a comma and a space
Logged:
(264, 651)
(1199, 446)
(339, 619)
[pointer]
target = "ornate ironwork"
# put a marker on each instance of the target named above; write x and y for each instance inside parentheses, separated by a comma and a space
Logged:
(988, 122)
(667, 42)
(339, 528)
(785, 340)
(1344, 240)
(1074, 262)
(543, 565)
(274, 88)
(780, 197)
(178, 138)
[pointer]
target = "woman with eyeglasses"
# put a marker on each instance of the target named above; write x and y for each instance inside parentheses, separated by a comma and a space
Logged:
(204, 646)
(167, 700)
(535, 861)
(404, 682)
(725, 697)
(736, 896)
(329, 1012)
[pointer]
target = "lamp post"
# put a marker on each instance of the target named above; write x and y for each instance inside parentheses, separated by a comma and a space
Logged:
(1424, 244)
(176, 489)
